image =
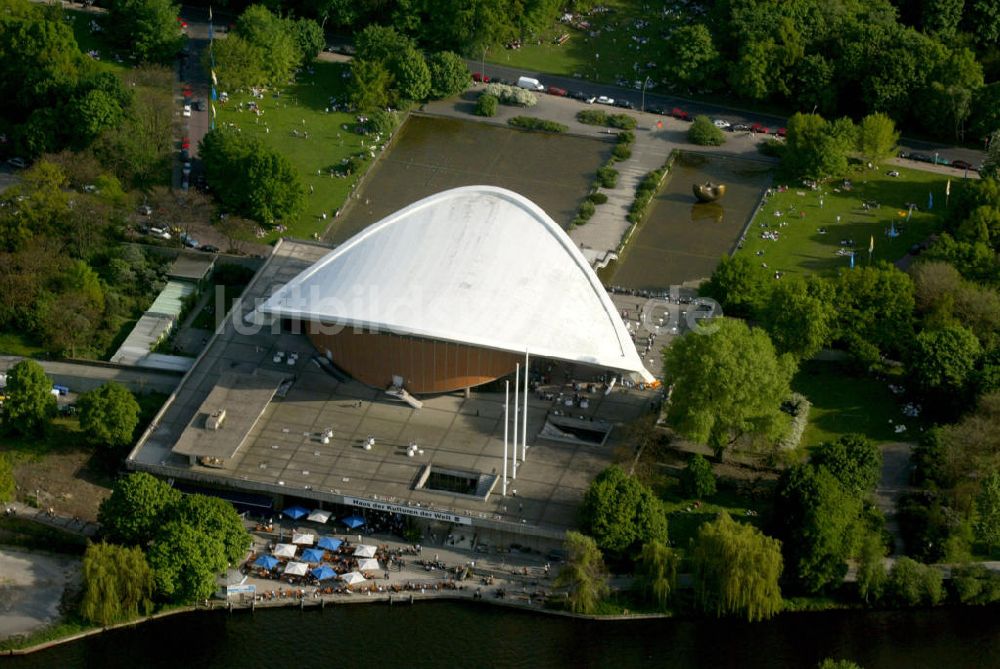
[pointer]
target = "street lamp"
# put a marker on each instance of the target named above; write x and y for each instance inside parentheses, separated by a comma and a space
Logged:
(646, 81)
(482, 71)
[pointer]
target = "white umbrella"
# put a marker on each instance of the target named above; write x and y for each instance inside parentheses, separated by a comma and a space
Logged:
(303, 539)
(364, 551)
(319, 516)
(296, 569)
(284, 550)
(352, 578)
(368, 564)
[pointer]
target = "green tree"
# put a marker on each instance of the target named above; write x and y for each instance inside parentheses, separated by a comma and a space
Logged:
(987, 524)
(698, 480)
(584, 575)
(249, 178)
(736, 570)
(383, 122)
(874, 307)
(185, 562)
(820, 523)
(148, 27)
(799, 316)
(370, 84)
(109, 415)
(853, 460)
(411, 74)
(727, 384)
(308, 37)
(816, 148)
(871, 569)
(704, 133)
(380, 44)
(30, 404)
(276, 40)
(877, 138)
(691, 56)
(238, 63)
(911, 583)
(7, 483)
(943, 359)
(217, 519)
(449, 74)
(830, 663)
(117, 584)
(656, 572)
(985, 115)
(622, 513)
(946, 102)
(975, 584)
(991, 164)
(136, 508)
(738, 284)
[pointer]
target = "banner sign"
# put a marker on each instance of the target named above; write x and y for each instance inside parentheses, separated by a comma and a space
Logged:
(408, 511)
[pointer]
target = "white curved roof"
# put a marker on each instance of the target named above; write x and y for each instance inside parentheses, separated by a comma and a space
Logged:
(478, 265)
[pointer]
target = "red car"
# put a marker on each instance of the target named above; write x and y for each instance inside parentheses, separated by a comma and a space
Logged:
(757, 127)
(560, 92)
(780, 132)
(480, 77)
(185, 143)
(679, 113)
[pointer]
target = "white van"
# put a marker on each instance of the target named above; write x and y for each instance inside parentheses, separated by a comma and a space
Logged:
(530, 84)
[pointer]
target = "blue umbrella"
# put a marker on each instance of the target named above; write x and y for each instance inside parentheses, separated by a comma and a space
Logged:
(295, 512)
(266, 561)
(312, 555)
(323, 572)
(329, 543)
(353, 522)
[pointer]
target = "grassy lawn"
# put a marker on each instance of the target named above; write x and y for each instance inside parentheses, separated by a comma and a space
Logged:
(302, 108)
(802, 247)
(685, 516)
(611, 55)
(845, 401)
(91, 41)
(16, 343)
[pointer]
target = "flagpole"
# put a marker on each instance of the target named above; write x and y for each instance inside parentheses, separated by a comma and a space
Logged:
(506, 423)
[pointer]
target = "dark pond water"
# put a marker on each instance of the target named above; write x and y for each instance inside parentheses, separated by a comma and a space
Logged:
(681, 239)
(435, 154)
(465, 635)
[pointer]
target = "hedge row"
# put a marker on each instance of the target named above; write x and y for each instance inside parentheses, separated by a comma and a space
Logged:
(511, 95)
(644, 193)
(532, 123)
(486, 105)
(601, 117)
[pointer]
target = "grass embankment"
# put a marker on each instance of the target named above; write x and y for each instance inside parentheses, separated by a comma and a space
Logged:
(809, 234)
(295, 123)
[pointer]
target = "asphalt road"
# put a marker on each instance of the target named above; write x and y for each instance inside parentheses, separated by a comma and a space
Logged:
(731, 114)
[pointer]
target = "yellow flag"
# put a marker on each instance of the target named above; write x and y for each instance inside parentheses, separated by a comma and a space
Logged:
(210, 12)
(215, 81)
(947, 188)
(213, 111)
(871, 244)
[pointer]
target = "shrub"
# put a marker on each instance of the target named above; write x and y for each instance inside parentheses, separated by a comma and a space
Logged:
(607, 177)
(911, 583)
(512, 95)
(598, 198)
(644, 193)
(592, 117)
(586, 210)
(622, 121)
(540, 124)
(486, 105)
(621, 152)
(704, 133)
(975, 584)
(626, 137)
(772, 147)
(698, 480)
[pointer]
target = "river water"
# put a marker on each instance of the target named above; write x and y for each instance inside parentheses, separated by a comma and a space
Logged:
(450, 634)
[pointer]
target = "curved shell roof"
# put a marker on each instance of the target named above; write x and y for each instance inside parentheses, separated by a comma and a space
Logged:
(478, 265)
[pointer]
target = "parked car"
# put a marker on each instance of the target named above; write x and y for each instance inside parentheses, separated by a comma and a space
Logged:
(185, 155)
(679, 113)
(624, 104)
(199, 105)
(781, 132)
(605, 100)
(742, 127)
(208, 248)
(920, 157)
(189, 241)
(186, 169)
(17, 163)
(185, 143)
(578, 95)
(722, 124)
(480, 77)
(758, 127)
(962, 165)
(558, 92)
(656, 109)
(146, 210)
(187, 110)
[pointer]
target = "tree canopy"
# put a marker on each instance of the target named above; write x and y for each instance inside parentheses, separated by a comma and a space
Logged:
(727, 384)
(656, 572)
(148, 27)
(185, 562)
(30, 404)
(117, 584)
(736, 570)
(136, 508)
(738, 284)
(109, 415)
(622, 513)
(853, 460)
(704, 133)
(698, 480)
(584, 575)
